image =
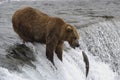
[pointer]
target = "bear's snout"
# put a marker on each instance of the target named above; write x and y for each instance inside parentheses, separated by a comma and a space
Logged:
(77, 43)
(74, 44)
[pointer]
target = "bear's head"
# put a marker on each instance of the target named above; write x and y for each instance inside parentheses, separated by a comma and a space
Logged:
(72, 36)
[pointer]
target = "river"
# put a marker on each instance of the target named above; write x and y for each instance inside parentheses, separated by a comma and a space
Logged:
(98, 23)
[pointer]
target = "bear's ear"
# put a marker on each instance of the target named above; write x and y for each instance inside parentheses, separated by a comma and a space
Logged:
(69, 29)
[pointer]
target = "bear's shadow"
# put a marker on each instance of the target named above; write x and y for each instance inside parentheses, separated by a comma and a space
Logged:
(21, 54)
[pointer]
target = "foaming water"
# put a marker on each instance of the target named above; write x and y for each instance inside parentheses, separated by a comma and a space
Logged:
(103, 41)
(72, 67)
(100, 41)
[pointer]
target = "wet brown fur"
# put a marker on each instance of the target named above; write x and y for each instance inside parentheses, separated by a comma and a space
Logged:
(33, 25)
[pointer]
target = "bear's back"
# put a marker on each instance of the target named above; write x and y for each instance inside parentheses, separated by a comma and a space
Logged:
(28, 21)
(29, 14)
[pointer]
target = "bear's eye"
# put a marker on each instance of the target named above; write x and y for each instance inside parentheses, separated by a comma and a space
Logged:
(74, 38)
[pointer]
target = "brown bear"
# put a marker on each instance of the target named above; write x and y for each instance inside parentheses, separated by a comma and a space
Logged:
(33, 25)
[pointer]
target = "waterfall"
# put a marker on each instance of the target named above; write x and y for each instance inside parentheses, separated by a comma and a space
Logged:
(100, 40)
(94, 41)
(103, 41)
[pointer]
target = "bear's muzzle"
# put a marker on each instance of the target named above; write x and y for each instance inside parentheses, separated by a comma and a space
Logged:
(77, 43)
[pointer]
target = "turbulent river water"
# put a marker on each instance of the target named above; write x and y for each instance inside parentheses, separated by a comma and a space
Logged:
(98, 23)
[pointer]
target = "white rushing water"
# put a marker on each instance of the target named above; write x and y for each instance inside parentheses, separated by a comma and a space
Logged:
(72, 67)
(100, 41)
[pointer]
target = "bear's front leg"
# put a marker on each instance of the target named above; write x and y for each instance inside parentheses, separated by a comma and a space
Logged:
(50, 48)
(59, 49)
(49, 53)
